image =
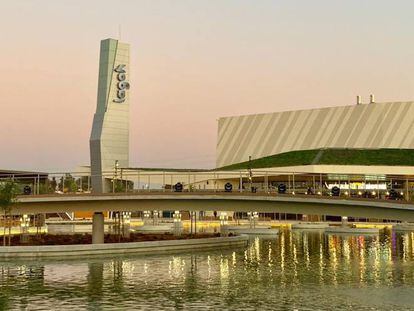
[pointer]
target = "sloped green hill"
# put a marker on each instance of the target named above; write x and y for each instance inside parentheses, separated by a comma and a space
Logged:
(390, 157)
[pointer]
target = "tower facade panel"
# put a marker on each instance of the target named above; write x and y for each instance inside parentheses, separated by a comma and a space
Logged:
(109, 141)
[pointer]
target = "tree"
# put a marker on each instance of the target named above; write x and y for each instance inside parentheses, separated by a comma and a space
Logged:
(68, 184)
(119, 186)
(8, 197)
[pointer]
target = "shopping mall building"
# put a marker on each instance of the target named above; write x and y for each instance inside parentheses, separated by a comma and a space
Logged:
(374, 134)
(357, 147)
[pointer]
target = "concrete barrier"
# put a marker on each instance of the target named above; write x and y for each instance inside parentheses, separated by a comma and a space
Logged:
(350, 231)
(259, 230)
(153, 247)
(403, 227)
(162, 228)
(310, 225)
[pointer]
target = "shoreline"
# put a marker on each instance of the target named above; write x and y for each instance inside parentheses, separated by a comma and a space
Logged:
(150, 247)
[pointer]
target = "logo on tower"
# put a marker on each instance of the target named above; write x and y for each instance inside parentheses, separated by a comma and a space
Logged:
(122, 85)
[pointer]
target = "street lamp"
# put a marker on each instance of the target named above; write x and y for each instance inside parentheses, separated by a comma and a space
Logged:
(223, 223)
(255, 218)
(126, 224)
(223, 218)
(177, 223)
(24, 222)
(252, 216)
(250, 174)
(116, 167)
(155, 217)
(24, 227)
(126, 217)
(147, 215)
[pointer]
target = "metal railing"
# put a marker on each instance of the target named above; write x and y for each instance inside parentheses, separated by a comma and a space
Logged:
(262, 182)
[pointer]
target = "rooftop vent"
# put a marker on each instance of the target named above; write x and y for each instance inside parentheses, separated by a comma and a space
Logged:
(371, 99)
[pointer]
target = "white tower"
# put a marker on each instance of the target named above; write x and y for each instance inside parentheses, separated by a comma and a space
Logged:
(109, 142)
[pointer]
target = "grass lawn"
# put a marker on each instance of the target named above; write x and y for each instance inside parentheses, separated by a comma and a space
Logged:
(390, 157)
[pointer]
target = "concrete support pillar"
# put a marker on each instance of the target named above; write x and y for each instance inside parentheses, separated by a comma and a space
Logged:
(407, 190)
(241, 182)
(98, 228)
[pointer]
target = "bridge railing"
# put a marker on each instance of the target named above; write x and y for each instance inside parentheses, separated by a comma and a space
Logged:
(269, 182)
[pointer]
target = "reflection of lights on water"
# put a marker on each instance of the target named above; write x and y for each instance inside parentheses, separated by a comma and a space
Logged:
(406, 240)
(306, 249)
(361, 242)
(209, 266)
(229, 279)
(346, 249)
(373, 251)
(295, 261)
(362, 266)
(176, 267)
(389, 251)
(246, 256)
(128, 268)
(321, 265)
(332, 242)
(412, 243)
(342, 261)
(269, 254)
(406, 247)
(253, 251)
(224, 270)
(282, 252)
(257, 248)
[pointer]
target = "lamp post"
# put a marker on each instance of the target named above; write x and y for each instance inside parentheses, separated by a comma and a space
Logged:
(24, 228)
(155, 215)
(250, 174)
(116, 166)
(223, 223)
(146, 217)
(253, 217)
(177, 223)
(126, 224)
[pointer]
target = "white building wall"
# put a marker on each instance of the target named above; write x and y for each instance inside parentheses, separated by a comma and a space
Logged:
(369, 126)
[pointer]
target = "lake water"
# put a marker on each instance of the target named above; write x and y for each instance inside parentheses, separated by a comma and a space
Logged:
(295, 271)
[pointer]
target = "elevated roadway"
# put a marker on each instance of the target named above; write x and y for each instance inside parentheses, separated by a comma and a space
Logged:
(217, 201)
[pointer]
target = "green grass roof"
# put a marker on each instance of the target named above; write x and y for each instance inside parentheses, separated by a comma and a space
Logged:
(390, 157)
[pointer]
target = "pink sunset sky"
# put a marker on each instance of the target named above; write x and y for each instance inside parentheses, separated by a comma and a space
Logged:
(191, 63)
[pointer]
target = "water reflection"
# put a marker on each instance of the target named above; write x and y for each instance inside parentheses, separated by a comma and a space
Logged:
(294, 270)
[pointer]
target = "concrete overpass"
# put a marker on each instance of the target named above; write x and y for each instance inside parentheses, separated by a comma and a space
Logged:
(219, 201)
(207, 201)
